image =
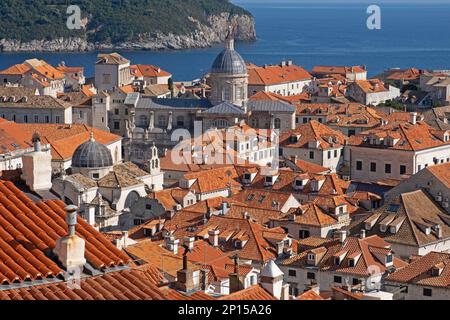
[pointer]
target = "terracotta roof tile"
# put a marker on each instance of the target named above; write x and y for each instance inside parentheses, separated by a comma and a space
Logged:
(28, 230)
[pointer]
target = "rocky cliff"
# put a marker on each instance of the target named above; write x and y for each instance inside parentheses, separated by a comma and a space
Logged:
(204, 35)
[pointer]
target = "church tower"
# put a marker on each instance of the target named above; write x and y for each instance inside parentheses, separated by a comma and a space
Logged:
(229, 76)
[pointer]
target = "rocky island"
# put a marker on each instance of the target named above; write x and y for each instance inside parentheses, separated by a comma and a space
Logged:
(134, 25)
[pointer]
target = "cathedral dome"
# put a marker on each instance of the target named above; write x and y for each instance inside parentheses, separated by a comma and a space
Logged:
(92, 154)
(229, 61)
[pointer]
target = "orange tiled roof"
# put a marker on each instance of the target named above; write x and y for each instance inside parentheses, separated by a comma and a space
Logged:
(406, 136)
(132, 284)
(63, 138)
(30, 229)
(276, 74)
(336, 70)
(371, 86)
(252, 293)
(17, 69)
(298, 98)
(419, 272)
(408, 74)
(310, 132)
(441, 172)
(310, 295)
(149, 71)
(366, 248)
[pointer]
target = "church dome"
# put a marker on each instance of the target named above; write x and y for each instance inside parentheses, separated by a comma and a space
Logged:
(92, 154)
(229, 61)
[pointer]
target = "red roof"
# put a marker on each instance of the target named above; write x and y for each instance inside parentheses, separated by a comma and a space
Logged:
(29, 230)
(270, 75)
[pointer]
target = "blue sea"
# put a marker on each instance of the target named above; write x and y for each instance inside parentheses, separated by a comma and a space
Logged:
(411, 35)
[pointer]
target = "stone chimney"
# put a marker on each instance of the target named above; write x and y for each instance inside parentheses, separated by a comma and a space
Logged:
(271, 279)
(185, 277)
(236, 280)
(37, 167)
(204, 278)
(71, 248)
(214, 237)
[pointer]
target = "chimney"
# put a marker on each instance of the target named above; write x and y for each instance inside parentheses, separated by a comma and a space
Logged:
(205, 279)
(70, 249)
(236, 280)
(185, 277)
(172, 244)
(271, 279)
(413, 117)
(362, 234)
(224, 208)
(342, 236)
(214, 237)
(37, 167)
(189, 242)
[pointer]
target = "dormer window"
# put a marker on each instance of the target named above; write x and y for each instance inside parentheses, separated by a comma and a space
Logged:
(298, 183)
(389, 259)
(351, 263)
(293, 139)
(337, 261)
(311, 257)
(269, 179)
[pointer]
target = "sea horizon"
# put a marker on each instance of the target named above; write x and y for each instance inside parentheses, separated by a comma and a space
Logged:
(320, 33)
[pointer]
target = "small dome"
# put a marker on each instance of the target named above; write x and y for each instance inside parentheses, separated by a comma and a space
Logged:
(92, 154)
(229, 62)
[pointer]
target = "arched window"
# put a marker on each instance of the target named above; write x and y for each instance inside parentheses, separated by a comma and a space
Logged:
(277, 123)
(156, 163)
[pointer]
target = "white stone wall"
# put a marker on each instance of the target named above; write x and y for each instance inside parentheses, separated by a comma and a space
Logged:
(320, 156)
(284, 89)
(381, 156)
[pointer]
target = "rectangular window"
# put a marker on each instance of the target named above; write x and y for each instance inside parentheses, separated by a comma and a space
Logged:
(335, 153)
(387, 168)
(292, 273)
(305, 120)
(373, 167)
(402, 169)
(303, 234)
(47, 119)
(25, 118)
(359, 165)
(356, 281)
(311, 154)
(427, 292)
(337, 279)
(329, 154)
(148, 207)
(311, 275)
(36, 119)
(57, 119)
(116, 125)
(116, 111)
